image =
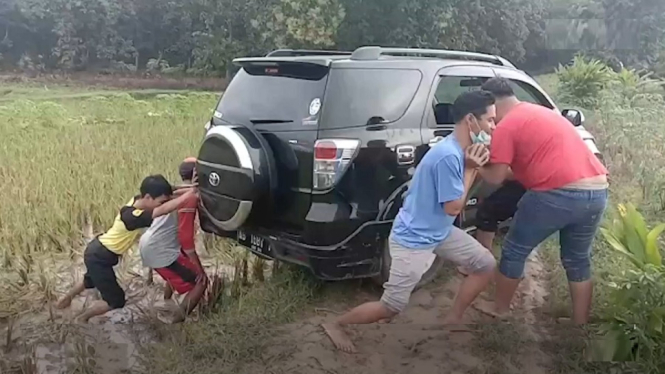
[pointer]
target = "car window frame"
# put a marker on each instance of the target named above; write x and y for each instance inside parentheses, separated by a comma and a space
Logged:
(528, 81)
(457, 71)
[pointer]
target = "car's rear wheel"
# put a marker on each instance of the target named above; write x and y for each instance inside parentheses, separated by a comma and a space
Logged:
(386, 260)
(237, 176)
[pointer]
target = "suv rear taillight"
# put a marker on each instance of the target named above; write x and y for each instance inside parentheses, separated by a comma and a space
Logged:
(331, 159)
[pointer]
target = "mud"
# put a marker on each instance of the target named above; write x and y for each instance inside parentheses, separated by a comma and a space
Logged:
(55, 344)
(414, 342)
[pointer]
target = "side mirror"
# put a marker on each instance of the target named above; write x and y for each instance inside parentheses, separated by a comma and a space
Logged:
(575, 116)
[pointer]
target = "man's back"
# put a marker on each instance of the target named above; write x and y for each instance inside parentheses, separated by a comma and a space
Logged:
(159, 246)
(543, 149)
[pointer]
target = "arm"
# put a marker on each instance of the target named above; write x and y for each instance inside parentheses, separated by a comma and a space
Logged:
(455, 207)
(502, 153)
(186, 230)
(451, 184)
(173, 204)
(495, 173)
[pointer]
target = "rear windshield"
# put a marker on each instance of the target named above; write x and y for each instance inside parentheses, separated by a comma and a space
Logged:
(356, 95)
(280, 94)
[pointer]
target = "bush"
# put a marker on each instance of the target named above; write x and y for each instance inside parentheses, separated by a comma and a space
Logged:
(633, 325)
(583, 81)
(633, 88)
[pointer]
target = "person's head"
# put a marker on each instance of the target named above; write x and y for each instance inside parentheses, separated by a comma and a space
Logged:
(504, 94)
(187, 169)
(155, 191)
(475, 111)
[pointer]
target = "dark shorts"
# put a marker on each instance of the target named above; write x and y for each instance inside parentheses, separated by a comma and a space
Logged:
(181, 275)
(99, 263)
(574, 214)
(501, 205)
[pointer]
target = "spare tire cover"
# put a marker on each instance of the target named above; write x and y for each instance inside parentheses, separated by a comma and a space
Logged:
(236, 175)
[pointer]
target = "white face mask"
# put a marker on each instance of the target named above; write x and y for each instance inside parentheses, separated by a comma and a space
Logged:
(482, 137)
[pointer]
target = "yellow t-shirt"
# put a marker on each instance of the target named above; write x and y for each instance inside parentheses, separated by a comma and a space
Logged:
(126, 229)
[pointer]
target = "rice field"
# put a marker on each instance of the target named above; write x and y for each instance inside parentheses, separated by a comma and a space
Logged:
(69, 163)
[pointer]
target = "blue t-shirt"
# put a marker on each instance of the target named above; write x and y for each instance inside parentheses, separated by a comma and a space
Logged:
(421, 222)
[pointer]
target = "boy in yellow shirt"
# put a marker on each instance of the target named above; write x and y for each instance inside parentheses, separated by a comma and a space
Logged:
(103, 252)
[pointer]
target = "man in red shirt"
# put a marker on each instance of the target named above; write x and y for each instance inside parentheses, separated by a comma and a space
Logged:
(566, 193)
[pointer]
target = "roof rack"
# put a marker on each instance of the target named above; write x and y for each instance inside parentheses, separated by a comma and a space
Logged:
(305, 52)
(373, 53)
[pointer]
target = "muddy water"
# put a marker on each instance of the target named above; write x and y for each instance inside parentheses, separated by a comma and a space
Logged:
(107, 344)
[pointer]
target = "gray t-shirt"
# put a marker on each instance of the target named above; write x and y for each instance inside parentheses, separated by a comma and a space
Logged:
(159, 245)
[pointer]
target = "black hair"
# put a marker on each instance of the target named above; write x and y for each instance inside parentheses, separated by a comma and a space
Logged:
(156, 186)
(186, 170)
(499, 87)
(473, 102)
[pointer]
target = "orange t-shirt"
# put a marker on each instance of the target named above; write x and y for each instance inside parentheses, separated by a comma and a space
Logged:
(543, 148)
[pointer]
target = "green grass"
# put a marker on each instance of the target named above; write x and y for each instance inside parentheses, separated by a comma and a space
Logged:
(62, 164)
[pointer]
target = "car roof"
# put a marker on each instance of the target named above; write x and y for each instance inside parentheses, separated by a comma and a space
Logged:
(395, 62)
(380, 56)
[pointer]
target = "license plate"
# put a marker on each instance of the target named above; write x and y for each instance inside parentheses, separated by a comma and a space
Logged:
(255, 243)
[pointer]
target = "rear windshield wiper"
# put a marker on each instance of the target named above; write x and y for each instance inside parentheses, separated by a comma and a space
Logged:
(261, 121)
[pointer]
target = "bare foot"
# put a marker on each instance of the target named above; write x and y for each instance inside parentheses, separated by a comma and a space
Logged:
(339, 337)
(81, 319)
(64, 302)
(462, 270)
(454, 324)
(490, 310)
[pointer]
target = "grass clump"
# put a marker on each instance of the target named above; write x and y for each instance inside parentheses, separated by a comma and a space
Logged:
(240, 330)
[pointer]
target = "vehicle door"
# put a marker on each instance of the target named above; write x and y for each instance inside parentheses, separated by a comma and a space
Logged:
(449, 84)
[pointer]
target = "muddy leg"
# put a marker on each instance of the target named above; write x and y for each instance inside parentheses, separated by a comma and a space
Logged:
(192, 299)
(66, 300)
(486, 238)
(364, 314)
(168, 291)
(97, 308)
(149, 280)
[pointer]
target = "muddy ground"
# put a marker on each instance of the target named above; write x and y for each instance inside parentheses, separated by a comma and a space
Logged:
(414, 342)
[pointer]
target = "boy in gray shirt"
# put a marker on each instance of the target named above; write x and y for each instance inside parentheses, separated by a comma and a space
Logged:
(168, 248)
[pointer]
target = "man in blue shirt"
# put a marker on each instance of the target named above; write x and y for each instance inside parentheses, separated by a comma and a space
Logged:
(423, 228)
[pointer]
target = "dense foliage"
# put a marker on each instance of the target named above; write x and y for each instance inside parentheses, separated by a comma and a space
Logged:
(202, 36)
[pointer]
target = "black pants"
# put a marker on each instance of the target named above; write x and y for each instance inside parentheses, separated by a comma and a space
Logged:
(99, 263)
(499, 206)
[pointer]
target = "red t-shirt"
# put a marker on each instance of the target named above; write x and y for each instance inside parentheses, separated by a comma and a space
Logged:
(186, 218)
(543, 148)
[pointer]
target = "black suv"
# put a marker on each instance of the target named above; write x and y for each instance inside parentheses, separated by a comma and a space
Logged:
(308, 154)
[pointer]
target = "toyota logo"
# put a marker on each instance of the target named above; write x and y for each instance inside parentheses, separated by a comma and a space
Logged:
(213, 179)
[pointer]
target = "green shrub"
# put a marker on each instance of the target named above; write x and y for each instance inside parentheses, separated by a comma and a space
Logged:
(582, 82)
(633, 88)
(633, 326)
(630, 237)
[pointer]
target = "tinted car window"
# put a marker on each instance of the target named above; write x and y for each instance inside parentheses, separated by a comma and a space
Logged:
(452, 86)
(526, 92)
(281, 93)
(354, 96)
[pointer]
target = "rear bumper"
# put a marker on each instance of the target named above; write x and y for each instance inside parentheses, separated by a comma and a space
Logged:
(358, 256)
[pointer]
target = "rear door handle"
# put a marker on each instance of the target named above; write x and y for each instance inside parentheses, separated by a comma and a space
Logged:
(435, 140)
(406, 154)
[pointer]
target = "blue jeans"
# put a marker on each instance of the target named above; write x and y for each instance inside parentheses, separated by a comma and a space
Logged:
(575, 214)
